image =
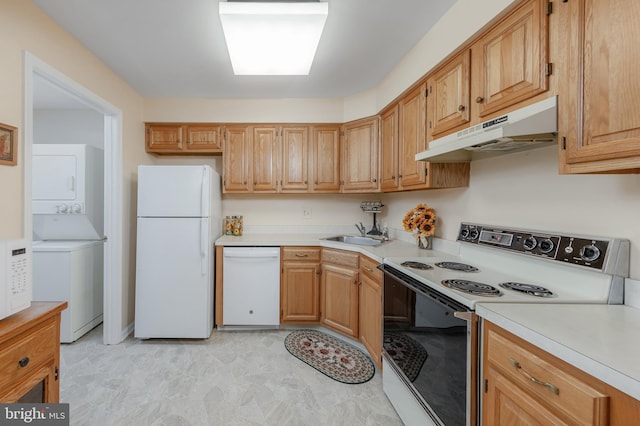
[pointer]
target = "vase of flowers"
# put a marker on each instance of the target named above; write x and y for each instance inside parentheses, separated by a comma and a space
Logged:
(421, 221)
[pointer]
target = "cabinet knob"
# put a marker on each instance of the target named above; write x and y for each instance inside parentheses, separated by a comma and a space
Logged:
(301, 255)
(393, 177)
(374, 180)
(461, 108)
(479, 99)
(24, 362)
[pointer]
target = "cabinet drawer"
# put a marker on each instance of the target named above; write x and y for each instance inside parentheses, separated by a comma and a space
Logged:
(369, 266)
(536, 375)
(339, 257)
(38, 347)
(301, 253)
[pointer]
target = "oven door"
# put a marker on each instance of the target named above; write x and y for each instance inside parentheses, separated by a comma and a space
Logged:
(431, 343)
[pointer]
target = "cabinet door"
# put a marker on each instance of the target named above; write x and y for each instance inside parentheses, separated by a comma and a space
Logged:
(604, 67)
(295, 159)
(237, 155)
(164, 138)
(389, 179)
(508, 405)
(412, 137)
(370, 309)
(510, 61)
(203, 138)
(300, 292)
(360, 156)
(266, 156)
(449, 96)
(339, 299)
(55, 177)
(326, 158)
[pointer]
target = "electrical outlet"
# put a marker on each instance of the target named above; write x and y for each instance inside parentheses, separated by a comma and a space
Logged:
(306, 213)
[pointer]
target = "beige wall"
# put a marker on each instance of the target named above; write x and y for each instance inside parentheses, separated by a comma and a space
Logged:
(25, 28)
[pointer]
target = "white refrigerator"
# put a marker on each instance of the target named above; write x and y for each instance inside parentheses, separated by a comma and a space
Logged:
(179, 218)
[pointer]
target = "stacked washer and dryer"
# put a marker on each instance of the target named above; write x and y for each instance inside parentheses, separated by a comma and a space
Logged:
(68, 226)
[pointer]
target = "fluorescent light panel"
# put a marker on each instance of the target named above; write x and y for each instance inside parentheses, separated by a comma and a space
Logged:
(272, 38)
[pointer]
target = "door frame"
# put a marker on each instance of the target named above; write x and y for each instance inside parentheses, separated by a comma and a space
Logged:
(114, 331)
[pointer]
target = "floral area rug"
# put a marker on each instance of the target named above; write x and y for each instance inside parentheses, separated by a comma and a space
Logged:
(407, 353)
(330, 356)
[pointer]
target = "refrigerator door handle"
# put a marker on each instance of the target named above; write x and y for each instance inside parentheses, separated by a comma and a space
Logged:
(203, 245)
(204, 193)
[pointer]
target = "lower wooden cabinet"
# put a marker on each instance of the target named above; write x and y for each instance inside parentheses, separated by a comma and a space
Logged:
(339, 291)
(300, 285)
(30, 354)
(525, 385)
(370, 308)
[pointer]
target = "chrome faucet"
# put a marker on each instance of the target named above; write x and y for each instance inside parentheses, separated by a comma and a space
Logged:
(362, 229)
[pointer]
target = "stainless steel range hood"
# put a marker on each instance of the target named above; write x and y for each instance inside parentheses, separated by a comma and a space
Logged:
(530, 127)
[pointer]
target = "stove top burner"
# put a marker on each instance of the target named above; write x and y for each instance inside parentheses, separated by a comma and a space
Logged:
(530, 289)
(472, 287)
(416, 265)
(457, 266)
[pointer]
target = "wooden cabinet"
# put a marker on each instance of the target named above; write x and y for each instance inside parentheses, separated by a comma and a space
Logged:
(237, 172)
(265, 156)
(30, 354)
(325, 169)
(184, 138)
(449, 96)
(389, 165)
(339, 291)
(411, 139)
(370, 308)
(510, 60)
(295, 155)
(526, 385)
(360, 156)
(300, 285)
(599, 124)
(403, 136)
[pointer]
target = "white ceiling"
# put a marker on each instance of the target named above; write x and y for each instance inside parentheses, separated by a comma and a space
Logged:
(176, 49)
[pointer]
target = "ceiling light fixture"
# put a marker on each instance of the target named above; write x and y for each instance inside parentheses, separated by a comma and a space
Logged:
(272, 38)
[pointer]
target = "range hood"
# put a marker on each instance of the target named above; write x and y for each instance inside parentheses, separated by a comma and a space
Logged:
(529, 127)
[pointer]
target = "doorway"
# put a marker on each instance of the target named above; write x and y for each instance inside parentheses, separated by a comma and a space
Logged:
(44, 85)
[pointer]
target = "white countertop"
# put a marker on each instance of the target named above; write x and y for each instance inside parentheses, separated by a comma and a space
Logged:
(392, 248)
(602, 340)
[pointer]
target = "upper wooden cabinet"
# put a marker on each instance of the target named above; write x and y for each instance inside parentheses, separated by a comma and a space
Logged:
(265, 158)
(237, 175)
(509, 61)
(295, 154)
(599, 124)
(403, 136)
(411, 138)
(325, 169)
(184, 138)
(360, 156)
(448, 97)
(389, 168)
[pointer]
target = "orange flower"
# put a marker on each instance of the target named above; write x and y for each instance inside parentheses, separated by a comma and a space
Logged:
(420, 220)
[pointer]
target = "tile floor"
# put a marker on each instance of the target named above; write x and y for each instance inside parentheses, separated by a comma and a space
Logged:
(232, 378)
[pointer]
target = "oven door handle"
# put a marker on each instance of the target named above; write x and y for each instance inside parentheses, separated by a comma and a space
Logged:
(468, 316)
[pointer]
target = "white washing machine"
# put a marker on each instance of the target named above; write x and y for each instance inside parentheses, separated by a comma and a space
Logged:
(71, 271)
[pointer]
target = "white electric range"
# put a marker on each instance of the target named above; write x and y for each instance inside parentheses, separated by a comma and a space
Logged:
(437, 293)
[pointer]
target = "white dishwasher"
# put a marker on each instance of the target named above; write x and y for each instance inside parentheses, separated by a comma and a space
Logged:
(251, 286)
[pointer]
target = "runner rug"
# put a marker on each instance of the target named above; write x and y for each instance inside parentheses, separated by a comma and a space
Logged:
(407, 353)
(330, 356)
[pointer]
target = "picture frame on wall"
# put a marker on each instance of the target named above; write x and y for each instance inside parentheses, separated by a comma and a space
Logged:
(8, 145)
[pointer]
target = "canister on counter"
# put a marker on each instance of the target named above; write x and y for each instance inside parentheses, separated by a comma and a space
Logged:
(233, 225)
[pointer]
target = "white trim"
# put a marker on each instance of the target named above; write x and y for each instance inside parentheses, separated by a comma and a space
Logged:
(113, 329)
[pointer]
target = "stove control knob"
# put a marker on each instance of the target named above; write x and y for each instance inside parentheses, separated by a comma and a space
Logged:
(589, 253)
(464, 233)
(474, 234)
(546, 245)
(530, 243)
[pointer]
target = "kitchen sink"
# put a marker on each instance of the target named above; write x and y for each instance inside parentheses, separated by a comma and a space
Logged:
(350, 239)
